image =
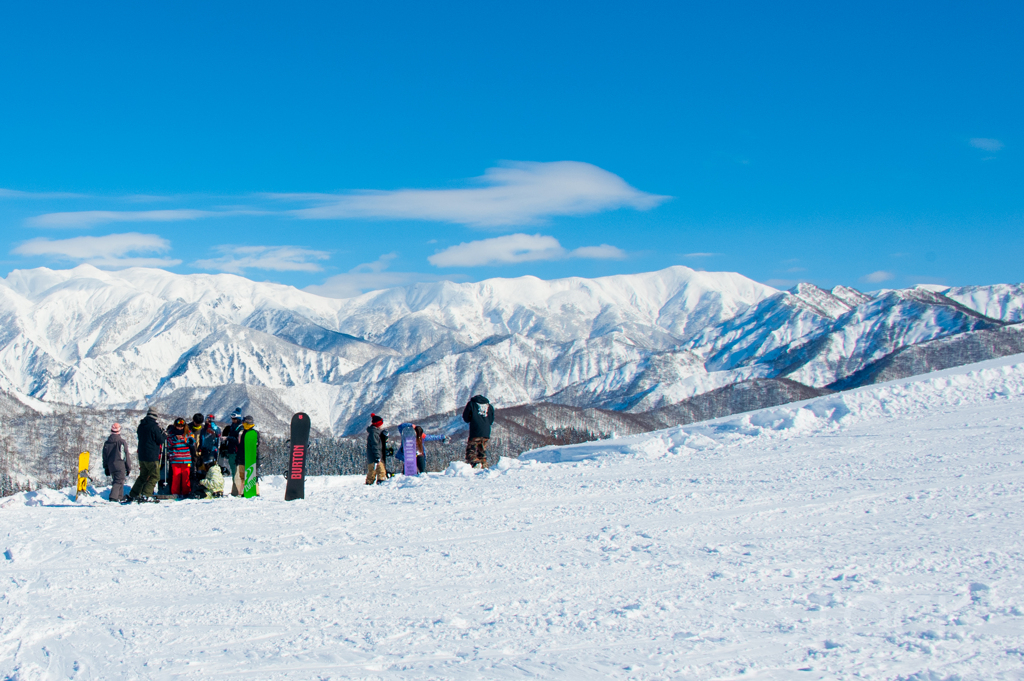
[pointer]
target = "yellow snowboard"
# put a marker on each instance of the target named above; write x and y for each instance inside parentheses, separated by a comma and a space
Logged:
(83, 473)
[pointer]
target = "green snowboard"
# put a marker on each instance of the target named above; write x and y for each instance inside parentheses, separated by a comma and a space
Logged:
(251, 447)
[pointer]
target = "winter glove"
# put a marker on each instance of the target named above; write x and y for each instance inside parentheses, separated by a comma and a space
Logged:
(106, 471)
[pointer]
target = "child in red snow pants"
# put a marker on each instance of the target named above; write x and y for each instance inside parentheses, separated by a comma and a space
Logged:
(181, 479)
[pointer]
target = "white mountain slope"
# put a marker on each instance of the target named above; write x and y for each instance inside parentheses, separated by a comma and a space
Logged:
(628, 342)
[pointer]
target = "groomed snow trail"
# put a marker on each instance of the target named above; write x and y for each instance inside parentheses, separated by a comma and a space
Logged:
(874, 534)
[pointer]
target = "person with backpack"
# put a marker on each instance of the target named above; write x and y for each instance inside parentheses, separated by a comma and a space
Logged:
(180, 451)
(376, 445)
(479, 414)
(115, 462)
(151, 444)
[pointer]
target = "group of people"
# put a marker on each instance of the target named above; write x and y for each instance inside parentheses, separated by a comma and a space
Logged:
(478, 413)
(193, 456)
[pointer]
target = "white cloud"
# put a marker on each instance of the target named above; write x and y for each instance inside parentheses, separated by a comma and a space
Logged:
(371, 276)
(112, 250)
(514, 194)
(700, 255)
(516, 248)
(986, 143)
(878, 277)
(238, 259)
(16, 194)
(91, 218)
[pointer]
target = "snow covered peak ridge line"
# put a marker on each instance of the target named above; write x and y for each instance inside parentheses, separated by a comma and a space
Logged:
(627, 342)
(985, 381)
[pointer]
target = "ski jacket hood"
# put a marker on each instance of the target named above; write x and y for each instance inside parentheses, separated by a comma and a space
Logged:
(479, 414)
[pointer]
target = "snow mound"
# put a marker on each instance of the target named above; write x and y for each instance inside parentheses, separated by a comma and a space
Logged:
(991, 380)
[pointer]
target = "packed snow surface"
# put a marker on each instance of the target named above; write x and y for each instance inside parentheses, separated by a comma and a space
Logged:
(874, 534)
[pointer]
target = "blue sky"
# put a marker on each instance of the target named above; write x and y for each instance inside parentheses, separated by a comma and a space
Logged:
(351, 146)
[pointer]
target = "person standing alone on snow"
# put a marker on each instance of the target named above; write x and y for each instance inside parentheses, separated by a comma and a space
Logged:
(479, 414)
(376, 441)
(151, 441)
(115, 462)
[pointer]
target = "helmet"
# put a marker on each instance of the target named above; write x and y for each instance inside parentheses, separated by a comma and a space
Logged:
(249, 420)
(179, 423)
(211, 418)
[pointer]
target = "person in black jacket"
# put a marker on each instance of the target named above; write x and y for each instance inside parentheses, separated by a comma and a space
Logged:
(479, 414)
(376, 442)
(115, 462)
(151, 440)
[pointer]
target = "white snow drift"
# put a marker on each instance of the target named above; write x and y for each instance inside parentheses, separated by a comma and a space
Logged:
(874, 534)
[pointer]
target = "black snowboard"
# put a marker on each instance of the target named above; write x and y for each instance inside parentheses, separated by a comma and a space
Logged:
(296, 485)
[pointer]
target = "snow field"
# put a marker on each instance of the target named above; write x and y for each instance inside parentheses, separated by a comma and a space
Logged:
(873, 534)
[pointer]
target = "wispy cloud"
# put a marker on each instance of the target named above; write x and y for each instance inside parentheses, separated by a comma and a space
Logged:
(878, 277)
(16, 194)
(986, 144)
(91, 218)
(112, 250)
(371, 276)
(700, 255)
(517, 248)
(238, 259)
(513, 194)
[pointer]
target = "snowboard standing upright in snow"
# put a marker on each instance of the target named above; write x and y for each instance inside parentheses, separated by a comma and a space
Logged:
(408, 433)
(83, 474)
(250, 443)
(295, 488)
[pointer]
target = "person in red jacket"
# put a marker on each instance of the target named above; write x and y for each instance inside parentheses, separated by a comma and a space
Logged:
(180, 453)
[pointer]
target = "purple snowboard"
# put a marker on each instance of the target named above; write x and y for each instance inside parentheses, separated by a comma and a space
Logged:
(408, 433)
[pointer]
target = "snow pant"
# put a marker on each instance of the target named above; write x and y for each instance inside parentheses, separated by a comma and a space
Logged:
(181, 479)
(476, 451)
(421, 463)
(117, 476)
(237, 482)
(149, 473)
(375, 472)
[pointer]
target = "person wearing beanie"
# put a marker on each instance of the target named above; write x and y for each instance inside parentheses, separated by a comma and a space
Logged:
(230, 450)
(376, 442)
(115, 462)
(248, 435)
(151, 441)
(179, 451)
(195, 438)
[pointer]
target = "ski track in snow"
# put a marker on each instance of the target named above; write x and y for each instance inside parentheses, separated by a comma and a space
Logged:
(874, 534)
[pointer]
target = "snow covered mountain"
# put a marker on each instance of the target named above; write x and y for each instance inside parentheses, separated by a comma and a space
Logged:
(630, 343)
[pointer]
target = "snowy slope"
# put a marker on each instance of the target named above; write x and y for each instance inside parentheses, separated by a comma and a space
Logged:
(632, 342)
(874, 534)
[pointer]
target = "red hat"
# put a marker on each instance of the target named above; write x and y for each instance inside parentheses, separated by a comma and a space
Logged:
(375, 419)
(116, 428)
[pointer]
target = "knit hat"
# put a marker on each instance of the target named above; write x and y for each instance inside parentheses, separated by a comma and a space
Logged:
(151, 412)
(237, 413)
(197, 419)
(374, 419)
(249, 420)
(116, 428)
